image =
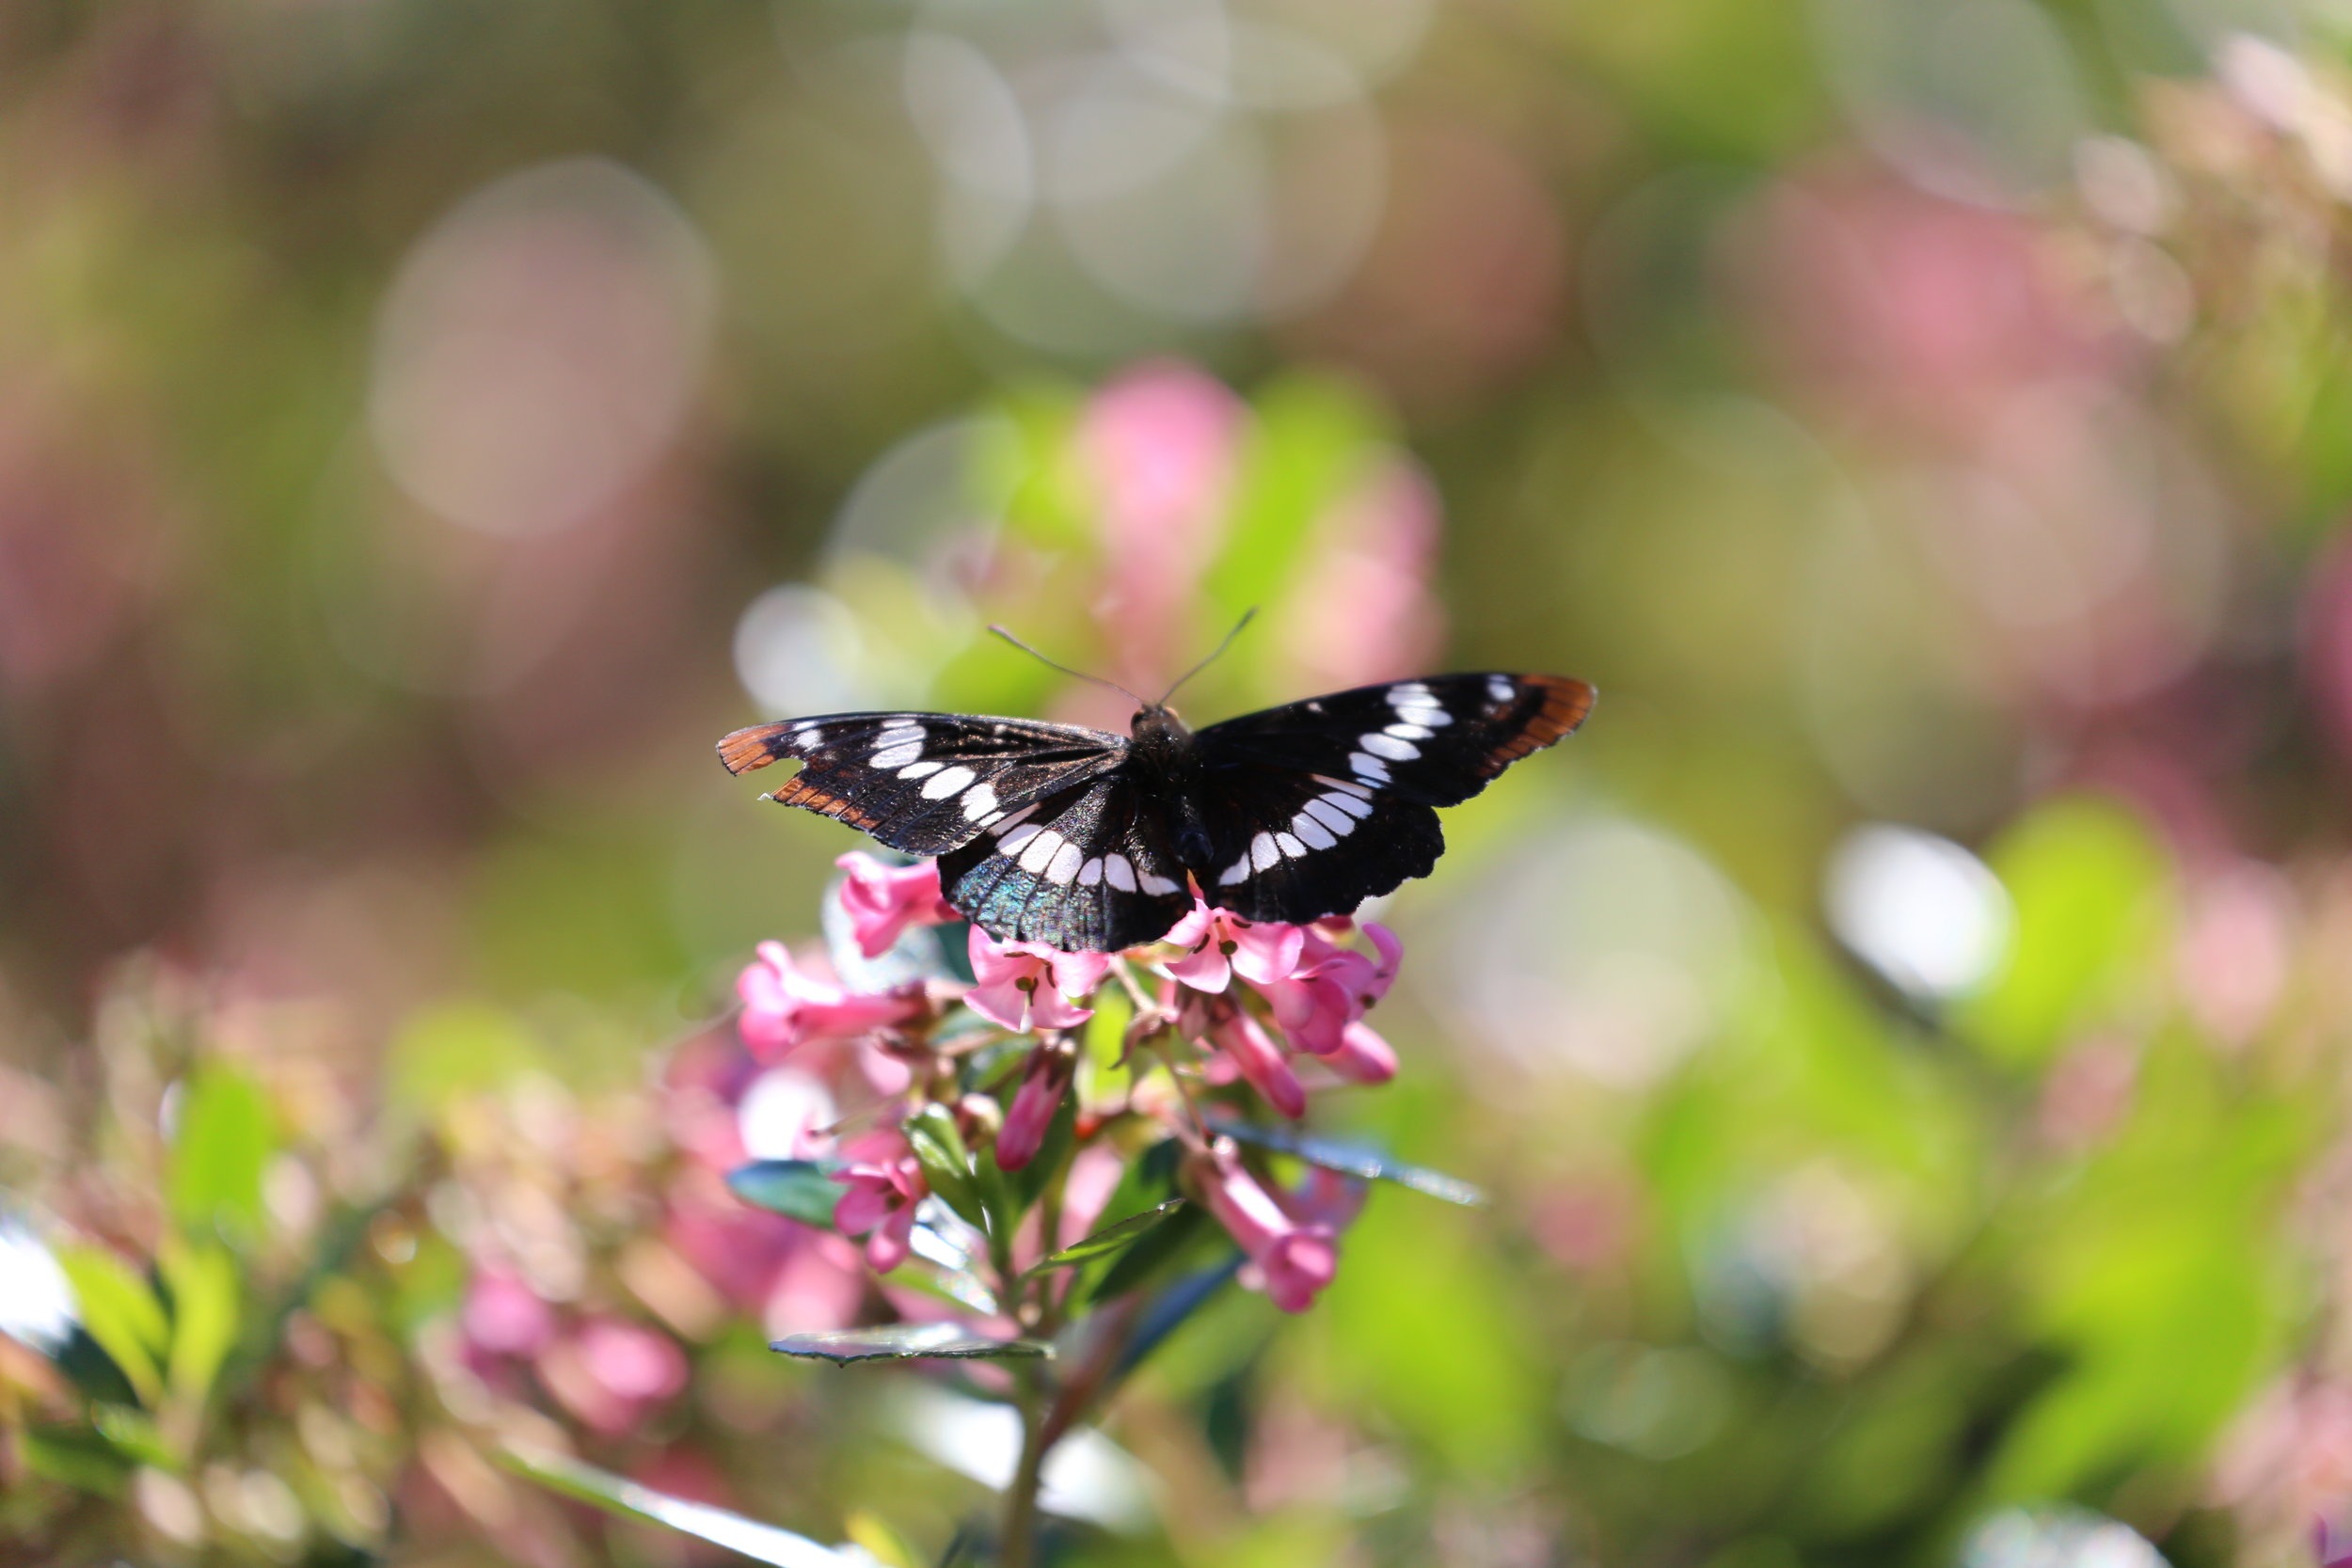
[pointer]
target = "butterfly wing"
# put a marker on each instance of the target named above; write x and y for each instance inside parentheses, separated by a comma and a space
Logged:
(923, 783)
(1088, 869)
(1315, 806)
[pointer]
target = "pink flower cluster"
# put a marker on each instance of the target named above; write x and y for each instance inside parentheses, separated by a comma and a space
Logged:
(1250, 1002)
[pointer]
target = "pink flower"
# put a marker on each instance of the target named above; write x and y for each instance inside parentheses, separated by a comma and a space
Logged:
(1043, 1083)
(1290, 1261)
(1362, 1056)
(1027, 985)
(505, 1317)
(783, 1008)
(1331, 987)
(2331, 1545)
(883, 900)
(1222, 942)
(1249, 1049)
(886, 1186)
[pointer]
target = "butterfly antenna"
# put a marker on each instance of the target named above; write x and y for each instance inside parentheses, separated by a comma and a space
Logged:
(1078, 674)
(1247, 616)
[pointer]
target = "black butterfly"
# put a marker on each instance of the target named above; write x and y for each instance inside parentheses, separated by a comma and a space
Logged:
(1083, 840)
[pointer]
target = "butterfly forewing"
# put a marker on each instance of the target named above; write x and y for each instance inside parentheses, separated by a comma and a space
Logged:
(1086, 870)
(923, 783)
(1315, 806)
(1436, 741)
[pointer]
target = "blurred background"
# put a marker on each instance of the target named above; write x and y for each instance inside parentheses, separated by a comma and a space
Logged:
(1904, 1035)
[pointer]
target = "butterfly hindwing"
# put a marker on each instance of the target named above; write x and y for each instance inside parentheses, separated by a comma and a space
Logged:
(1085, 870)
(922, 782)
(1296, 846)
(1315, 806)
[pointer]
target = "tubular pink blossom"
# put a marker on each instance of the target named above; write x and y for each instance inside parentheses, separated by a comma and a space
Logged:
(885, 1186)
(1254, 1054)
(883, 900)
(1330, 988)
(1042, 1086)
(783, 1008)
(1223, 944)
(1290, 1261)
(1362, 1056)
(1027, 985)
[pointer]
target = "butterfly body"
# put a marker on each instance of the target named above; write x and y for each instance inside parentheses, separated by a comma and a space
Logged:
(1087, 841)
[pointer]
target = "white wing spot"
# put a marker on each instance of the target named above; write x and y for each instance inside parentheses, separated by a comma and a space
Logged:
(1348, 786)
(1263, 851)
(1062, 869)
(1289, 845)
(1408, 732)
(898, 755)
(1352, 805)
(1159, 887)
(947, 783)
(920, 769)
(1435, 717)
(1090, 873)
(1233, 873)
(1312, 832)
(1041, 851)
(1018, 836)
(1382, 744)
(978, 801)
(1369, 769)
(1408, 694)
(1120, 873)
(1016, 819)
(992, 819)
(1499, 690)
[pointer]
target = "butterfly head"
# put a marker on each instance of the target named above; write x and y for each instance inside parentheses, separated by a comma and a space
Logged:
(1157, 726)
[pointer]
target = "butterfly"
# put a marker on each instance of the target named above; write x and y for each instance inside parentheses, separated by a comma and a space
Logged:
(1086, 841)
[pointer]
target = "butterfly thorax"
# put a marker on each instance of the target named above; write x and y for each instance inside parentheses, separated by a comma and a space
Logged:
(1165, 755)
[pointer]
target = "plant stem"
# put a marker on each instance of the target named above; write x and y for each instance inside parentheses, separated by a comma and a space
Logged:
(1018, 1548)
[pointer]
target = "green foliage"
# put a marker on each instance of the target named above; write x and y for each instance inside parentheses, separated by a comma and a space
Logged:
(802, 1190)
(225, 1139)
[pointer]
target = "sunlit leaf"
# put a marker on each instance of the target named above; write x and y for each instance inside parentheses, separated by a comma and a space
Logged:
(225, 1139)
(943, 1342)
(930, 1133)
(602, 1489)
(205, 1300)
(1150, 1252)
(802, 1190)
(1110, 1238)
(1357, 1160)
(2089, 882)
(121, 1314)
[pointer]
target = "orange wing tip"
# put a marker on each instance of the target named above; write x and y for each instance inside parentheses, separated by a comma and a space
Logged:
(1566, 704)
(809, 798)
(754, 747)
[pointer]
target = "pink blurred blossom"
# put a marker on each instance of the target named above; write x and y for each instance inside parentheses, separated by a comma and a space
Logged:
(1292, 1262)
(502, 1316)
(1223, 943)
(1362, 610)
(1027, 985)
(2234, 948)
(883, 900)
(785, 1008)
(1160, 444)
(1043, 1083)
(885, 1185)
(1364, 1057)
(609, 1372)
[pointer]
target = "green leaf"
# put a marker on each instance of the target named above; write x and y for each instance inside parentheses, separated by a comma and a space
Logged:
(930, 1133)
(225, 1139)
(2089, 884)
(1110, 1238)
(1357, 1160)
(204, 1298)
(121, 1314)
(802, 1190)
(77, 1457)
(1150, 1252)
(601, 1489)
(945, 1342)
